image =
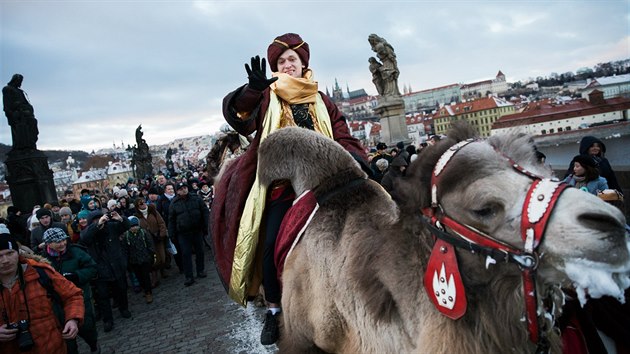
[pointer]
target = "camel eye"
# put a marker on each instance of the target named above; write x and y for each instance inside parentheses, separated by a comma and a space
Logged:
(484, 213)
(487, 211)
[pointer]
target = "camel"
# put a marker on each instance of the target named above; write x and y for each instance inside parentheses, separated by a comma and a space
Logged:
(354, 281)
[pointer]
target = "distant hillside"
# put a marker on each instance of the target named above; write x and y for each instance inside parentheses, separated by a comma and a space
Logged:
(53, 155)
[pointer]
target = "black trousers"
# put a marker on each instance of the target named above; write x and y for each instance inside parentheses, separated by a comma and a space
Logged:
(187, 243)
(119, 292)
(143, 273)
(275, 211)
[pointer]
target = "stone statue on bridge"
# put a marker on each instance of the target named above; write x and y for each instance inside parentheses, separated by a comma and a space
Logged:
(20, 115)
(142, 159)
(384, 73)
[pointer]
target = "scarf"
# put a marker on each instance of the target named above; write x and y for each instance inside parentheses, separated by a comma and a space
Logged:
(144, 212)
(295, 90)
(54, 253)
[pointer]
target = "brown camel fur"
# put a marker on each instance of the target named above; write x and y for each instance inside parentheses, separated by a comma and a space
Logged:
(354, 283)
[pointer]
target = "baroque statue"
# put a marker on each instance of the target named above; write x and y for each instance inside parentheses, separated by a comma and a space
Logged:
(384, 73)
(141, 159)
(20, 115)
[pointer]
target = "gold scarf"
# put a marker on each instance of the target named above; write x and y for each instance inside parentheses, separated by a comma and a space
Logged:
(295, 90)
(247, 240)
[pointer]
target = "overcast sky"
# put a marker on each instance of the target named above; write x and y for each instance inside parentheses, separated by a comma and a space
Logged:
(94, 70)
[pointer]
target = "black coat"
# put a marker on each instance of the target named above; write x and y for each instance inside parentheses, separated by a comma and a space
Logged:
(105, 247)
(187, 216)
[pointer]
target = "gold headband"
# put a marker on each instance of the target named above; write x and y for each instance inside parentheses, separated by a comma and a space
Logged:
(286, 45)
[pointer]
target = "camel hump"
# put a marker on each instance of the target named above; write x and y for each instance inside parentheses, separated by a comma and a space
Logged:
(304, 157)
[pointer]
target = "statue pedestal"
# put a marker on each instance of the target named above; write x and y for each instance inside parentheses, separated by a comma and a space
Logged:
(391, 111)
(30, 179)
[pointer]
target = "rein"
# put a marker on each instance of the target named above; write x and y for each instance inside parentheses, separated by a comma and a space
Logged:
(446, 290)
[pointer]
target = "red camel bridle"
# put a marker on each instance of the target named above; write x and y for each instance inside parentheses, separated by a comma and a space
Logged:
(442, 279)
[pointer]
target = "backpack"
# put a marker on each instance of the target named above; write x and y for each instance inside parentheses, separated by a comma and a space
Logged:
(55, 299)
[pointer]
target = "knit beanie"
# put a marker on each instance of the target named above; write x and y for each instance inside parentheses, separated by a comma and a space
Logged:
(85, 200)
(83, 214)
(65, 211)
(111, 203)
(41, 212)
(287, 41)
(134, 221)
(54, 234)
(7, 241)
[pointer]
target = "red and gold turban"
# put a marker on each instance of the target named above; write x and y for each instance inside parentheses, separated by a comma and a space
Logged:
(284, 42)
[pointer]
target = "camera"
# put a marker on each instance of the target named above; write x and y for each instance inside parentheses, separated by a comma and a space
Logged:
(109, 215)
(24, 337)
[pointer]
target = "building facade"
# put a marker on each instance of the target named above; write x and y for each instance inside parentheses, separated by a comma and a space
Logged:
(549, 117)
(480, 113)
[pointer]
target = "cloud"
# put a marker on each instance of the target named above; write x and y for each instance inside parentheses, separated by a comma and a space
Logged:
(95, 70)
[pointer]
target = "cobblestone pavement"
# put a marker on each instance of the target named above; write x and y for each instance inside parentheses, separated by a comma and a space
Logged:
(196, 319)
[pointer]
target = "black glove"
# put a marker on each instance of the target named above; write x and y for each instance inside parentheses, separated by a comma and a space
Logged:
(257, 74)
(73, 277)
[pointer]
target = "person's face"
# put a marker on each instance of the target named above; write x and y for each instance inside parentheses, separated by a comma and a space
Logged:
(91, 205)
(182, 191)
(161, 180)
(45, 220)
(122, 202)
(59, 246)
(153, 197)
(8, 262)
(290, 63)
(141, 205)
(69, 197)
(578, 169)
(66, 218)
(83, 222)
(595, 149)
(55, 209)
(205, 188)
(169, 190)
(134, 228)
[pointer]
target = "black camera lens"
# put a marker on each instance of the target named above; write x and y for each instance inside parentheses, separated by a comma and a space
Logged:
(24, 337)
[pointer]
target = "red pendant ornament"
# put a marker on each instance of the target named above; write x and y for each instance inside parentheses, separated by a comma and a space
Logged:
(443, 281)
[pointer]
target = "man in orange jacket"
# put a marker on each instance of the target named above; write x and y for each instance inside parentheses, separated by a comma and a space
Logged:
(28, 322)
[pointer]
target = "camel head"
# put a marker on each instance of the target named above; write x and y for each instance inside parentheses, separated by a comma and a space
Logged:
(584, 245)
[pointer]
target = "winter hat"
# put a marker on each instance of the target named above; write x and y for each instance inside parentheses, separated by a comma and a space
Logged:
(121, 193)
(83, 214)
(134, 221)
(41, 212)
(12, 209)
(282, 43)
(65, 211)
(584, 161)
(153, 190)
(111, 203)
(381, 146)
(85, 200)
(54, 234)
(181, 185)
(7, 241)
(400, 145)
(399, 161)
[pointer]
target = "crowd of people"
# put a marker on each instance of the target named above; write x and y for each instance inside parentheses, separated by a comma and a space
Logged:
(93, 246)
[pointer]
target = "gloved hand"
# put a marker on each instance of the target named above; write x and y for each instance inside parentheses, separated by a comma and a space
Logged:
(257, 74)
(73, 277)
